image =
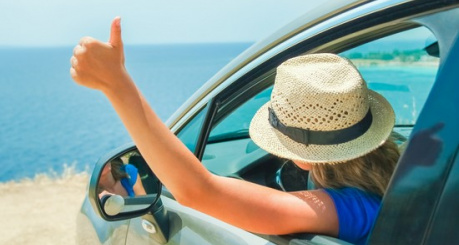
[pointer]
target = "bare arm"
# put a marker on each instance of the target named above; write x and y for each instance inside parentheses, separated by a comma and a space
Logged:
(246, 205)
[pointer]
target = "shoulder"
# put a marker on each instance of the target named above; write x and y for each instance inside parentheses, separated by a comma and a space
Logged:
(318, 215)
(353, 201)
(356, 210)
(130, 169)
(350, 194)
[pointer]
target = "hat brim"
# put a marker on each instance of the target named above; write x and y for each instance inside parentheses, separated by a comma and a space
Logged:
(276, 143)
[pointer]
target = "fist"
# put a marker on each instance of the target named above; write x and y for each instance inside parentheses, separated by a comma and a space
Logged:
(99, 65)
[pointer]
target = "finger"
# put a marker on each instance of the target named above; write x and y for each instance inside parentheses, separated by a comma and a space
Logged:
(115, 33)
(88, 42)
(74, 62)
(77, 77)
(85, 40)
(78, 50)
(73, 74)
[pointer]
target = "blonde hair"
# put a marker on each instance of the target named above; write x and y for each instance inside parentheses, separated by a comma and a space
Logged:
(370, 172)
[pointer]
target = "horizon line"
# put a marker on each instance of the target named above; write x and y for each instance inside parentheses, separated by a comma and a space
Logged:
(3, 46)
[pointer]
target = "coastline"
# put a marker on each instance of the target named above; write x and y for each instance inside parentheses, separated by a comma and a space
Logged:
(431, 62)
(42, 210)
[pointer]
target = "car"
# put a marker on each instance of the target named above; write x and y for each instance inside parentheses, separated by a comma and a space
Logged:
(406, 50)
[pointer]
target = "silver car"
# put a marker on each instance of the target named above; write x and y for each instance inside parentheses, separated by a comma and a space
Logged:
(406, 50)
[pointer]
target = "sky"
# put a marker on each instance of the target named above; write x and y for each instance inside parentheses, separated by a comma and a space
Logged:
(62, 23)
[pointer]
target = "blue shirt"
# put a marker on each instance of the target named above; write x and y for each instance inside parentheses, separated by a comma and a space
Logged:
(128, 183)
(357, 211)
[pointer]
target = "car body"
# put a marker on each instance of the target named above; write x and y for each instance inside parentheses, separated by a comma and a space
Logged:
(392, 43)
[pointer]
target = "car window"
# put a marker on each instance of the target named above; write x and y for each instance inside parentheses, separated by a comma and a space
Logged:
(399, 67)
(396, 66)
(236, 124)
(229, 147)
(190, 133)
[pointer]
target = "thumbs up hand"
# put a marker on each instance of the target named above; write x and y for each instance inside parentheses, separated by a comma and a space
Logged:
(99, 65)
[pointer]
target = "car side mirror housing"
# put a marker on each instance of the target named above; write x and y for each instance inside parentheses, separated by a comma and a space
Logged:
(122, 186)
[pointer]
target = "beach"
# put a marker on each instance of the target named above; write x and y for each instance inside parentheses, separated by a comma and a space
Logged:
(42, 210)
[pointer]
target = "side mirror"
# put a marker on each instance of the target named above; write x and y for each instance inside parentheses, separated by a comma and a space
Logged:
(122, 186)
(433, 49)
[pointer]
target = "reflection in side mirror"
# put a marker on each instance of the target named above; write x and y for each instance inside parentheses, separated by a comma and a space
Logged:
(120, 178)
(126, 184)
(123, 186)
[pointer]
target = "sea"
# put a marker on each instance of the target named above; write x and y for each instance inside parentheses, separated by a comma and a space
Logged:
(49, 124)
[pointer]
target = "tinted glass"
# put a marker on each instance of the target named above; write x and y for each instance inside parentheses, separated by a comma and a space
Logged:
(238, 121)
(229, 148)
(190, 133)
(399, 68)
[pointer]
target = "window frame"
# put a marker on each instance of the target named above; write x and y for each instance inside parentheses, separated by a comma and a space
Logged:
(248, 86)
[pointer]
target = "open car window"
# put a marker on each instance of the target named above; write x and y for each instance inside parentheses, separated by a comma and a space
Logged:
(400, 68)
(396, 66)
(229, 148)
(190, 133)
(236, 125)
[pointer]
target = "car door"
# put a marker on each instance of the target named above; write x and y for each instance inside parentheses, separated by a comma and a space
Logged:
(420, 206)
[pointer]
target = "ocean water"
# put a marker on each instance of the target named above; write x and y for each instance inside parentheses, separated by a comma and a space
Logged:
(405, 87)
(48, 122)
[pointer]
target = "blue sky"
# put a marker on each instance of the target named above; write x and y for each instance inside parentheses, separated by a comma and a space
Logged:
(59, 22)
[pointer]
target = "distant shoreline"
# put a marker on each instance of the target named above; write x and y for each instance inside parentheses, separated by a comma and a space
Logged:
(398, 63)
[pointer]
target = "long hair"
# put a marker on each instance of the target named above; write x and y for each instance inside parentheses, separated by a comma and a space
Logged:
(370, 172)
(117, 170)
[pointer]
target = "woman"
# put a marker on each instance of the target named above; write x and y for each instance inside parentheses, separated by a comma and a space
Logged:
(321, 116)
(119, 178)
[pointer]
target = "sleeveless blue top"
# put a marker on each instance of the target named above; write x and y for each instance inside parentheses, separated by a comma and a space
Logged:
(357, 211)
(128, 183)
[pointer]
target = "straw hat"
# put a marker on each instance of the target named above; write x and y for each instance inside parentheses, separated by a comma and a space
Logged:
(321, 111)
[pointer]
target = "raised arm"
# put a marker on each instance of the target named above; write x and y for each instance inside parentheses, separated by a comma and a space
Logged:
(100, 66)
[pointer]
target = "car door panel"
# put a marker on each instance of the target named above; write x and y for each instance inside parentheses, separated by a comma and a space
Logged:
(188, 226)
(91, 229)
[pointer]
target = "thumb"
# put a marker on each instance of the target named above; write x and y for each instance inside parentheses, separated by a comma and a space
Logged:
(115, 33)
